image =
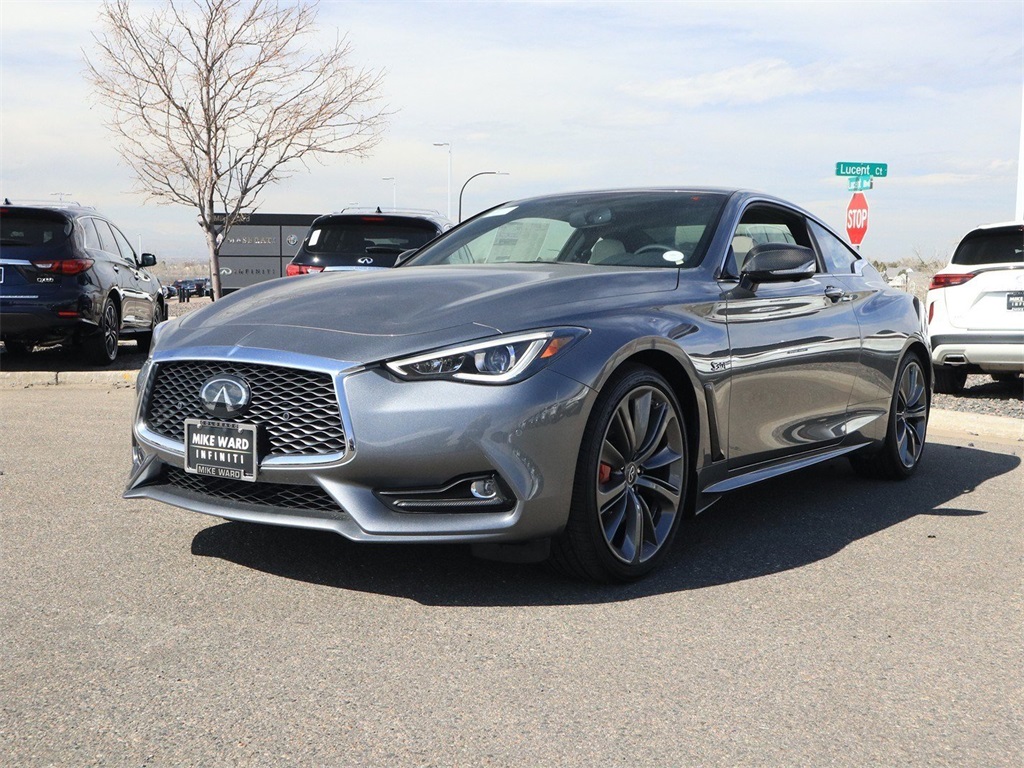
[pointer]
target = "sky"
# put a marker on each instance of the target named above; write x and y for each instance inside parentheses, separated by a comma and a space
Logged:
(568, 96)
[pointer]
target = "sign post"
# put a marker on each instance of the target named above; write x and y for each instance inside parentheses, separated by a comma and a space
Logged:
(857, 219)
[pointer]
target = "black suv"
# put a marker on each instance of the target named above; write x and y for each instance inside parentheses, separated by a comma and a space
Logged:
(352, 239)
(68, 275)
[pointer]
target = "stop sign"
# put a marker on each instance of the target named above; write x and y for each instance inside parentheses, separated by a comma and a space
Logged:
(857, 218)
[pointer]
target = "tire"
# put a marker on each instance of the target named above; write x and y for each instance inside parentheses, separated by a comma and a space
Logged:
(1009, 377)
(100, 348)
(901, 452)
(949, 381)
(17, 348)
(631, 481)
(145, 340)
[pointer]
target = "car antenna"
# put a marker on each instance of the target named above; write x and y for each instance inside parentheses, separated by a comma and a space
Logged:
(378, 209)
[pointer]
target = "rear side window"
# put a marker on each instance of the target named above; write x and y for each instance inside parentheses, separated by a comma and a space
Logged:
(90, 239)
(992, 246)
(368, 234)
(33, 229)
(107, 242)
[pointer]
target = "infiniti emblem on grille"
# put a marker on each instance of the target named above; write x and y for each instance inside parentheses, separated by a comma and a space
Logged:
(365, 260)
(224, 396)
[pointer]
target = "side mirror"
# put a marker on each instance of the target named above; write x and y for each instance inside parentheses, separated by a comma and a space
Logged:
(777, 263)
(148, 260)
(404, 256)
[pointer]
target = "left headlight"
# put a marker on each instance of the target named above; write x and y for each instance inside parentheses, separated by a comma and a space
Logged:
(498, 360)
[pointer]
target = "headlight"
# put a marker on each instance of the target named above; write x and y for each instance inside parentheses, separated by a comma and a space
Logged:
(500, 360)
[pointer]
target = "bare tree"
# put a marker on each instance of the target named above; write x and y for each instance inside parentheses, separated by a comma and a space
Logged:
(212, 100)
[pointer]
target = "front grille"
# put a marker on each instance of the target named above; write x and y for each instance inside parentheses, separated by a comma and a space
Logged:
(297, 409)
(300, 497)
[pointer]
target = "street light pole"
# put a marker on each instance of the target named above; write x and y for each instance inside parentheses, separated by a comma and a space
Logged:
(394, 191)
(449, 145)
(482, 173)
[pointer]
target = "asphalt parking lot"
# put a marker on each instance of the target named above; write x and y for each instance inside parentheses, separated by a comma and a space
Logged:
(819, 620)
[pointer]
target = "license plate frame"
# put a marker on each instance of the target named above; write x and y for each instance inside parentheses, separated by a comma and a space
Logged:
(222, 449)
(1015, 301)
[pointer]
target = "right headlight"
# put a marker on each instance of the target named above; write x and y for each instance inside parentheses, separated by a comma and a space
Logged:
(498, 360)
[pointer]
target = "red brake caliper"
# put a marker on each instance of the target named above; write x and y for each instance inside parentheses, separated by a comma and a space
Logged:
(604, 473)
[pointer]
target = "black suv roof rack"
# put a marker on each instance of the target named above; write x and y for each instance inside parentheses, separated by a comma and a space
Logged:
(29, 203)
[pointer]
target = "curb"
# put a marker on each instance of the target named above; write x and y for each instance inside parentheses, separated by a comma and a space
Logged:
(975, 426)
(24, 379)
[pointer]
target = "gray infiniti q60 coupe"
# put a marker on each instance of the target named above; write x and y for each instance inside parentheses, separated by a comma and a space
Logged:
(566, 376)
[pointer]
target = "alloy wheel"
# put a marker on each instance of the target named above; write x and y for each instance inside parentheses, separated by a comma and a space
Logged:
(110, 330)
(911, 414)
(641, 475)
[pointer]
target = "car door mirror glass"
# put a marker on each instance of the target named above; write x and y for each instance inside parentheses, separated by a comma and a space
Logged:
(148, 260)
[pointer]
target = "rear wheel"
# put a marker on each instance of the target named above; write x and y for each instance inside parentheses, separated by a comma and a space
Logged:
(1006, 377)
(101, 347)
(630, 482)
(17, 348)
(949, 380)
(908, 424)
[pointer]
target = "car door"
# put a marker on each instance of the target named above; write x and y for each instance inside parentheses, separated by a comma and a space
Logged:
(794, 350)
(141, 285)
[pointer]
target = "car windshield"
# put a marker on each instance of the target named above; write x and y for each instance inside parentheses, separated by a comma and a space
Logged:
(33, 228)
(1000, 246)
(667, 229)
(368, 234)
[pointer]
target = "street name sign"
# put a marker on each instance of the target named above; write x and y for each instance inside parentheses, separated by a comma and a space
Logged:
(859, 183)
(879, 170)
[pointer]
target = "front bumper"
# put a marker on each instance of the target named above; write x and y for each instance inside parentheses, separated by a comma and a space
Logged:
(400, 435)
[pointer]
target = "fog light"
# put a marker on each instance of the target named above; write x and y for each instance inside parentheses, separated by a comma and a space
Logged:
(484, 489)
(470, 494)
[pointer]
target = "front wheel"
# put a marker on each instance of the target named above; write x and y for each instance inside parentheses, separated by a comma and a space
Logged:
(145, 340)
(630, 484)
(908, 424)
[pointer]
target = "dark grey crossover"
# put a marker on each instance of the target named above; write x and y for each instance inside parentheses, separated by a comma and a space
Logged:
(568, 375)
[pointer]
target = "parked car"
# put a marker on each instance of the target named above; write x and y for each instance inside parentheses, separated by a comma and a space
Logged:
(68, 275)
(192, 286)
(564, 376)
(976, 308)
(364, 240)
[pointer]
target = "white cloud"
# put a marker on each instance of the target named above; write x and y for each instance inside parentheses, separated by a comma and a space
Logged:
(757, 82)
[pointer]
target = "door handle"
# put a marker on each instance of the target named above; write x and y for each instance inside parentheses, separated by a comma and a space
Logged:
(836, 294)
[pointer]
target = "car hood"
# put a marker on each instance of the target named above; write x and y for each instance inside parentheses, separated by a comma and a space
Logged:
(365, 316)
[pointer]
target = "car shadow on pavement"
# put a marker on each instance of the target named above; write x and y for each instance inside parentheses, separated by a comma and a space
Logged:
(776, 526)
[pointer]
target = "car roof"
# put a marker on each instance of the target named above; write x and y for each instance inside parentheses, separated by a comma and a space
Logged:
(999, 225)
(424, 214)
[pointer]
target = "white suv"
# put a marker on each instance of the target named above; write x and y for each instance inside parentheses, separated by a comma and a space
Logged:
(976, 308)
